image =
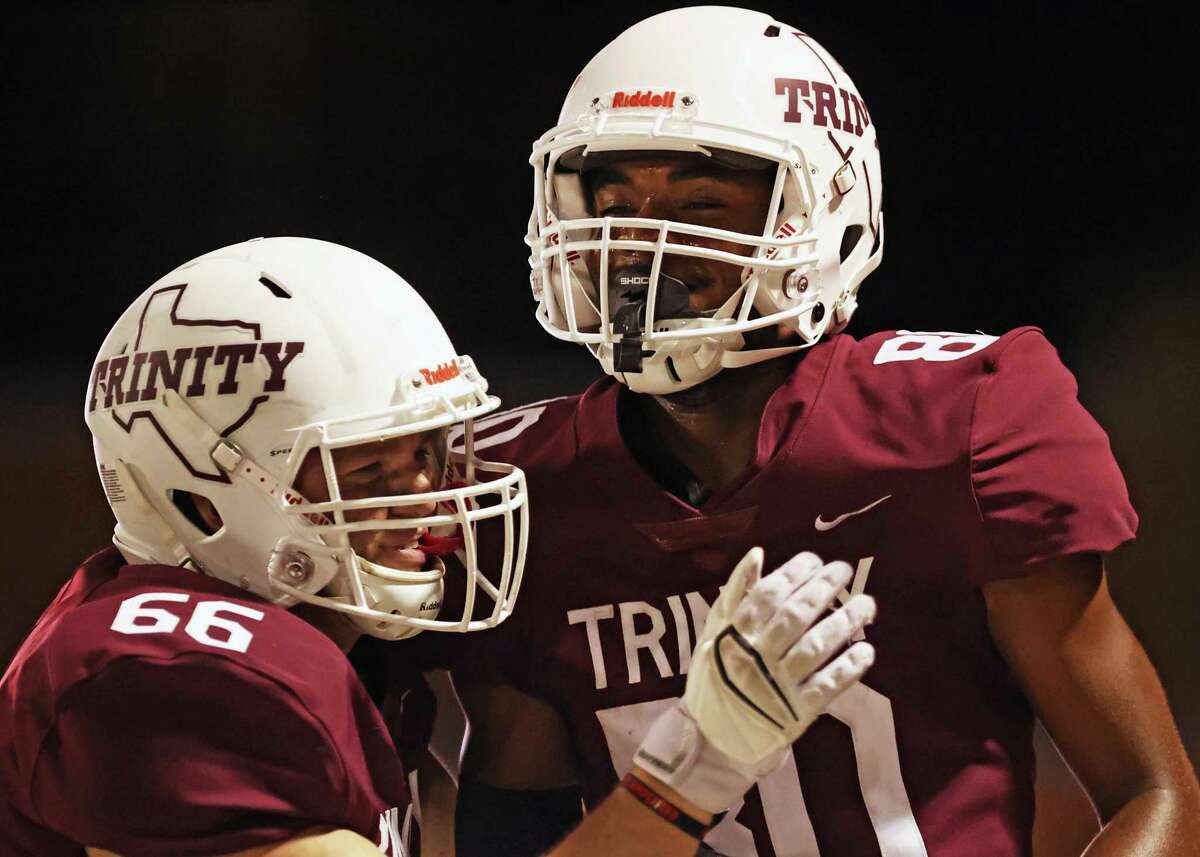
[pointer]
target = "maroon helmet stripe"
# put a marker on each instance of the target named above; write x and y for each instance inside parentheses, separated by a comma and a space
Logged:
(845, 156)
(147, 415)
(241, 421)
(803, 37)
(189, 322)
(870, 204)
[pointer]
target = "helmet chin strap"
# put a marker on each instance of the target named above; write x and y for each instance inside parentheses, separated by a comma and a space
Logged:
(629, 286)
(739, 359)
(198, 440)
(224, 453)
(377, 598)
(183, 421)
(167, 546)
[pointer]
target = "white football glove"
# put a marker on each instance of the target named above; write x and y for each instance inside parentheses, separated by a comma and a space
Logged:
(756, 680)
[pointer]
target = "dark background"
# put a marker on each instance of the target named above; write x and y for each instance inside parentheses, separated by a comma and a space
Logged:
(1038, 169)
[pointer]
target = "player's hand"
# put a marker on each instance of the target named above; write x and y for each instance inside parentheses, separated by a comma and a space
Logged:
(757, 679)
(763, 670)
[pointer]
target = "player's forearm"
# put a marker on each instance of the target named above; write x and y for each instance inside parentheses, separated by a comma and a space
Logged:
(328, 843)
(1164, 822)
(624, 825)
(438, 797)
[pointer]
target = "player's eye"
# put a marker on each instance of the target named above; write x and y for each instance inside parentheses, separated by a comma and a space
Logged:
(430, 458)
(620, 209)
(435, 457)
(362, 473)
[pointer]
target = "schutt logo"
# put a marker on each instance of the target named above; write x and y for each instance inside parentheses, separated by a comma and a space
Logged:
(439, 374)
(189, 372)
(648, 98)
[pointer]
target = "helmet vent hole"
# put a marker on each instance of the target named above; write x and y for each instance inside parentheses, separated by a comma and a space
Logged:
(771, 32)
(850, 239)
(274, 287)
(671, 369)
(186, 503)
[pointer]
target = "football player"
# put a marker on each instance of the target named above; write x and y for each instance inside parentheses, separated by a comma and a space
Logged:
(270, 425)
(705, 212)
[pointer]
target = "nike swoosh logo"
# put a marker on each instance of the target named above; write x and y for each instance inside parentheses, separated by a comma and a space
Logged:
(822, 526)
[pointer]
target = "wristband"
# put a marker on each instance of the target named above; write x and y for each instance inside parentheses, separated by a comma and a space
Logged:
(663, 808)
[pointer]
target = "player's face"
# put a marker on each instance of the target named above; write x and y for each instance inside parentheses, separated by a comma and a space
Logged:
(684, 187)
(410, 464)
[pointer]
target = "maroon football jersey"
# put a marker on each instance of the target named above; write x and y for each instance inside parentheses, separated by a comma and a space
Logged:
(155, 711)
(933, 463)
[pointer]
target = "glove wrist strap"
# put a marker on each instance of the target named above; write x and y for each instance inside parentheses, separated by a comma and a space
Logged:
(677, 753)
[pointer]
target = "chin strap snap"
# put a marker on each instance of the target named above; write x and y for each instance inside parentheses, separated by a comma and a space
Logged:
(627, 351)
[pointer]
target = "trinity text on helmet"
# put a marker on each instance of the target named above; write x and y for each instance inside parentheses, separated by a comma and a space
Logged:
(136, 377)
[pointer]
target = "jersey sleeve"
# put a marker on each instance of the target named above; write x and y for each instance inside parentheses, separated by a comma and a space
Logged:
(186, 756)
(1042, 470)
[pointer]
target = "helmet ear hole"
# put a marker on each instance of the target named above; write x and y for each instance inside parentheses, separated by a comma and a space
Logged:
(850, 239)
(198, 510)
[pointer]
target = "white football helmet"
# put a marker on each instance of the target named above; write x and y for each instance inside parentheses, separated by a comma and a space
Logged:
(221, 378)
(743, 89)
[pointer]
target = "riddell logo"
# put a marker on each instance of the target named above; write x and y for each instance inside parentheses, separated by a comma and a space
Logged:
(440, 373)
(648, 98)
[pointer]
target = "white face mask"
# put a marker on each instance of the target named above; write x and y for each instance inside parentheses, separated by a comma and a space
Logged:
(731, 91)
(224, 375)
